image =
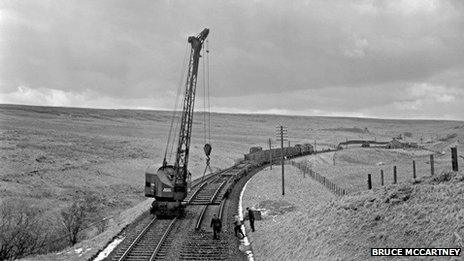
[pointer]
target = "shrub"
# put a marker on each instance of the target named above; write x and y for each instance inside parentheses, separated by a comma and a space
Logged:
(78, 216)
(21, 229)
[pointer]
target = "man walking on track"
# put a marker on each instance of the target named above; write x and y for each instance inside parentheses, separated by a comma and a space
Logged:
(216, 224)
(238, 226)
(251, 217)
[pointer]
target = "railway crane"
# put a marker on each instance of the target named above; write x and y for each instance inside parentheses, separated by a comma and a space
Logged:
(168, 184)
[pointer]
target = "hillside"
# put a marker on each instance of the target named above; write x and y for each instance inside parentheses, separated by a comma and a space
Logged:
(52, 156)
(309, 223)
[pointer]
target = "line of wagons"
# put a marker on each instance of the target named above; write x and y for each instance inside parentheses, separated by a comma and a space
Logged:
(261, 157)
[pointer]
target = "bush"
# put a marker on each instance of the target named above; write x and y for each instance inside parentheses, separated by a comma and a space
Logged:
(21, 229)
(27, 230)
(73, 219)
(79, 216)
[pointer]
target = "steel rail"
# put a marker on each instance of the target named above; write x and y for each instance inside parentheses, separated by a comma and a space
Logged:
(196, 192)
(200, 218)
(203, 211)
(221, 209)
(216, 192)
(163, 238)
(137, 239)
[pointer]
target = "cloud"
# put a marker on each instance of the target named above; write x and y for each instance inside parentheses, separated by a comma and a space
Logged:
(88, 99)
(25, 95)
(438, 94)
(332, 56)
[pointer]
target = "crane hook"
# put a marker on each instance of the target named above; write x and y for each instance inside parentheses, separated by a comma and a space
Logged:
(207, 148)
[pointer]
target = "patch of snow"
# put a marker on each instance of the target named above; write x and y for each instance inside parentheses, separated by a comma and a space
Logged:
(87, 249)
(103, 254)
(78, 251)
(244, 242)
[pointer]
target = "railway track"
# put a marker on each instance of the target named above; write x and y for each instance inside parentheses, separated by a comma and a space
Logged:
(148, 242)
(200, 244)
(155, 240)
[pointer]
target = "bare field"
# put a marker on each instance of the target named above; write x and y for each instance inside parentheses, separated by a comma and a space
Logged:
(50, 155)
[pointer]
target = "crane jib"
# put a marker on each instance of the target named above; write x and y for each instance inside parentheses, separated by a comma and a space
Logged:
(180, 179)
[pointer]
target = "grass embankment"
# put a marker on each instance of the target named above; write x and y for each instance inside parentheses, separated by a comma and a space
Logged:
(352, 165)
(307, 224)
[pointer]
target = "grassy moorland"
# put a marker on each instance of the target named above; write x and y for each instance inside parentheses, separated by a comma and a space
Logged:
(49, 156)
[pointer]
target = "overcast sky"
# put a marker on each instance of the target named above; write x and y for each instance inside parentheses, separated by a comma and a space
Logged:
(387, 59)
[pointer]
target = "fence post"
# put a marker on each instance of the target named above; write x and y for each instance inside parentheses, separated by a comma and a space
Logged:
(454, 158)
(394, 174)
(432, 165)
(369, 181)
(414, 169)
(381, 177)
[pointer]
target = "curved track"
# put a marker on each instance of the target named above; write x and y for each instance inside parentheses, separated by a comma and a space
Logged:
(155, 241)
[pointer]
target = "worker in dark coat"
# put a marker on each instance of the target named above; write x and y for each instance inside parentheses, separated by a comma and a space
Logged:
(216, 224)
(251, 218)
(238, 226)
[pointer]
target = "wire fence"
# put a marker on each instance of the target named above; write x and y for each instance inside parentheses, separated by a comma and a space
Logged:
(330, 185)
(417, 169)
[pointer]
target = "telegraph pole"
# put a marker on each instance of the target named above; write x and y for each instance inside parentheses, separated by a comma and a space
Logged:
(281, 131)
(282, 157)
(270, 153)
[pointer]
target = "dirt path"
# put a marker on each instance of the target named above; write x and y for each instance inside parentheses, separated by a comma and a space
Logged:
(278, 235)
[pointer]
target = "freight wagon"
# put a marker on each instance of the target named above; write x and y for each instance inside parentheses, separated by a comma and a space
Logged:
(261, 157)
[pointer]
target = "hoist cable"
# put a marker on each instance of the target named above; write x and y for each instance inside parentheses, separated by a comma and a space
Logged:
(207, 101)
(179, 113)
(174, 140)
(184, 61)
(208, 93)
(204, 98)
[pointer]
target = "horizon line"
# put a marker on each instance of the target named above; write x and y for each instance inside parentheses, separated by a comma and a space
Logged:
(240, 113)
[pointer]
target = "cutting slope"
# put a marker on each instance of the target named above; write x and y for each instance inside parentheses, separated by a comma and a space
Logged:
(427, 213)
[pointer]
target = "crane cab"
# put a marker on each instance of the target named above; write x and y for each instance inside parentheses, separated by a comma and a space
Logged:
(159, 184)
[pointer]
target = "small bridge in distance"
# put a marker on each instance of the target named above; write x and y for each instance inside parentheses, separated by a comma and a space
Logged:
(363, 143)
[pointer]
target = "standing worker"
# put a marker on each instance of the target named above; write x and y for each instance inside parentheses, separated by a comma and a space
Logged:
(238, 226)
(251, 217)
(216, 224)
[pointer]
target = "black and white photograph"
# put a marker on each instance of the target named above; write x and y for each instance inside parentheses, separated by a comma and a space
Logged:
(248, 130)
